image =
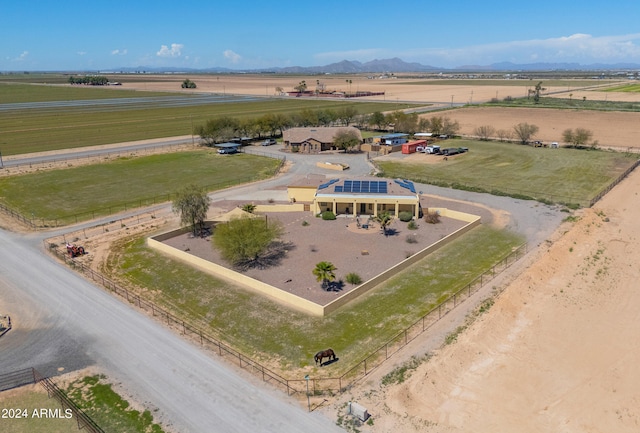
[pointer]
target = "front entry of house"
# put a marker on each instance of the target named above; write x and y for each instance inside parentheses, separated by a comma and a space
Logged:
(363, 208)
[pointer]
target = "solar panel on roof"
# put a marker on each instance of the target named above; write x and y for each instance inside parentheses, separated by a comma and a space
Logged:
(337, 189)
(382, 187)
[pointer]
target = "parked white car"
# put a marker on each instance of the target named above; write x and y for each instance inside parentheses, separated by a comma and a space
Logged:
(431, 149)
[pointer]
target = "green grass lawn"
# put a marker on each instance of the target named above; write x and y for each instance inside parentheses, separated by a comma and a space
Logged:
(19, 92)
(562, 175)
(96, 190)
(264, 329)
(633, 88)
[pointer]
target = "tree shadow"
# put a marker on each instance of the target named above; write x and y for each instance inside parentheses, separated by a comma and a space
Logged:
(391, 232)
(273, 256)
(335, 286)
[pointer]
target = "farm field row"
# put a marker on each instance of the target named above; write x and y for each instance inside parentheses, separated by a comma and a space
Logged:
(65, 196)
(38, 130)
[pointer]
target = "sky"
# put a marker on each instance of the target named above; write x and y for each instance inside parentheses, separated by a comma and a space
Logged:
(45, 35)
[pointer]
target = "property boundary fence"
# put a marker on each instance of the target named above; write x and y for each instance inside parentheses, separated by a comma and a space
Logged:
(292, 386)
(613, 184)
(30, 376)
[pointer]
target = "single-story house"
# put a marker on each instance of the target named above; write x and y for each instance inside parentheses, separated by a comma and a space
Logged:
(314, 140)
(357, 197)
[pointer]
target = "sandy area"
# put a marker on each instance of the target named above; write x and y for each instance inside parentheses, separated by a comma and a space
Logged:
(617, 130)
(558, 351)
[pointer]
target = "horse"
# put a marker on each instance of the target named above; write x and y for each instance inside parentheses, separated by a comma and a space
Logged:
(329, 353)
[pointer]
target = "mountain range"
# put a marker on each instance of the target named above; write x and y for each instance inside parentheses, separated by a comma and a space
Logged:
(398, 65)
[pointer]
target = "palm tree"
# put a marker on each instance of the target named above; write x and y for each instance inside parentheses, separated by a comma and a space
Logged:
(324, 272)
(384, 219)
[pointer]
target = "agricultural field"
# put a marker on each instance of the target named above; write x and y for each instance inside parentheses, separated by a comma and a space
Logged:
(563, 175)
(88, 191)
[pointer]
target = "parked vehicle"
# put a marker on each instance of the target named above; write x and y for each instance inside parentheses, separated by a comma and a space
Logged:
(432, 149)
(227, 150)
(454, 150)
(269, 142)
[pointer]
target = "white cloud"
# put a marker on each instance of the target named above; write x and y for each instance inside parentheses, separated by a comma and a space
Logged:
(577, 48)
(174, 51)
(22, 57)
(81, 53)
(119, 52)
(232, 56)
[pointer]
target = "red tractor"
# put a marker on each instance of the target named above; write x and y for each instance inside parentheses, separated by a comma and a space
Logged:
(75, 250)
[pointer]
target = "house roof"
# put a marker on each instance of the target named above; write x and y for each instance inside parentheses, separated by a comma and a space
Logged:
(322, 134)
(367, 186)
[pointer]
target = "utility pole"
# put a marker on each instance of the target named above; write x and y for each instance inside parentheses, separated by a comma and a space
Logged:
(308, 399)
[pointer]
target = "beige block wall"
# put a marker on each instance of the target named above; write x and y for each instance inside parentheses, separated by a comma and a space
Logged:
(296, 207)
(301, 193)
(332, 166)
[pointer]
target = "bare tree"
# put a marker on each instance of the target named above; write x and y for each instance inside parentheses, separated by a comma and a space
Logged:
(485, 132)
(579, 137)
(525, 132)
(504, 134)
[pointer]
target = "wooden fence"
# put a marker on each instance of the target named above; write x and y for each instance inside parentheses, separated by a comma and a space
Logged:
(292, 386)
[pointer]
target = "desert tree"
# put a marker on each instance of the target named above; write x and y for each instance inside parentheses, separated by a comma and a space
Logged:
(301, 87)
(384, 218)
(347, 114)
(579, 137)
(192, 204)
(378, 120)
(188, 84)
(249, 242)
(218, 130)
(525, 132)
(485, 132)
(536, 92)
(504, 134)
(324, 271)
(346, 139)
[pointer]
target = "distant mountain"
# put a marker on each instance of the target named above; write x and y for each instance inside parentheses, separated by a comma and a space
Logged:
(393, 65)
(356, 67)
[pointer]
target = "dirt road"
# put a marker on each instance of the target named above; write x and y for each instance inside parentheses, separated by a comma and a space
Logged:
(193, 391)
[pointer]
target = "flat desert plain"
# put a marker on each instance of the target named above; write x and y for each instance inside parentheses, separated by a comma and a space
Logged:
(559, 350)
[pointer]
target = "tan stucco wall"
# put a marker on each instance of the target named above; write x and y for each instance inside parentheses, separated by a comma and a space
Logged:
(295, 207)
(301, 193)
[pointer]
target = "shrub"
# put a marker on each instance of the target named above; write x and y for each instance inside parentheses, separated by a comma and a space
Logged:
(405, 216)
(305, 223)
(412, 225)
(432, 217)
(411, 239)
(328, 215)
(353, 278)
